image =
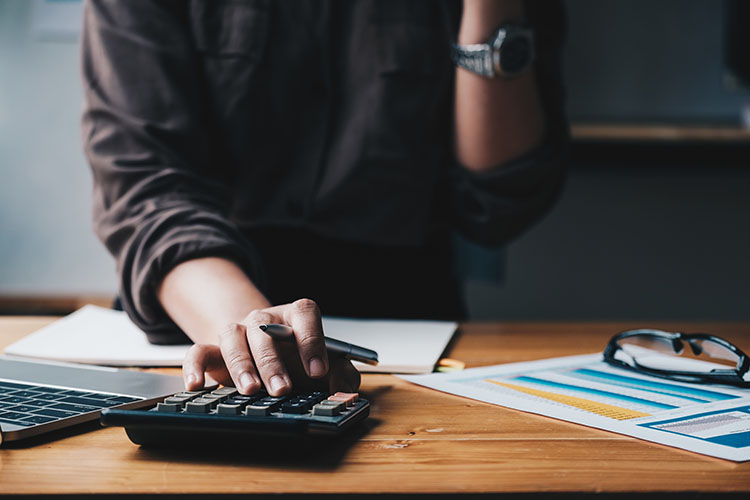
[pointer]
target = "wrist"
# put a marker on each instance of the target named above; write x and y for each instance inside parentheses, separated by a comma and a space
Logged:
(203, 295)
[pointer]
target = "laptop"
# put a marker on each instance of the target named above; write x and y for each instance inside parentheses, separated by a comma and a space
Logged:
(43, 396)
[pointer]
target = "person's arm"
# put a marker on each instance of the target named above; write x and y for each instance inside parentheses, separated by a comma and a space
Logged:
(161, 205)
(216, 305)
(157, 200)
(496, 119)
(510, 135)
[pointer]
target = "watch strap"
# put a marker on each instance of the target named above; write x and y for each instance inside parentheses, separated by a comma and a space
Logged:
(476, 58)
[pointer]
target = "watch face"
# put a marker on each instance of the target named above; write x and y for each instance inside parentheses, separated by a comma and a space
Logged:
(515, 54)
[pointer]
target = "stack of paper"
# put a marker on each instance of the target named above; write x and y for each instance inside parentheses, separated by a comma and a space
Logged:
(103, 336)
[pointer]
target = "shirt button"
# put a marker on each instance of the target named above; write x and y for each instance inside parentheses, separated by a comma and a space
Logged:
(294, 208)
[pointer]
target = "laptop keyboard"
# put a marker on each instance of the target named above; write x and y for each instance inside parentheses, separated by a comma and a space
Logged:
(28, 405)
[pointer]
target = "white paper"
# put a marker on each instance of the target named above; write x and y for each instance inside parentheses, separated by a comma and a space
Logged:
(103, 336)
(708, 419)
(98, 336)
(403, 346)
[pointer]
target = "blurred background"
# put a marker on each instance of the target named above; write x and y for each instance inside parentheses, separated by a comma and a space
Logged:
(653, 222)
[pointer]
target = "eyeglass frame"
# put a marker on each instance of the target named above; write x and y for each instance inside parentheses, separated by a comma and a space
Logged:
(728, 376)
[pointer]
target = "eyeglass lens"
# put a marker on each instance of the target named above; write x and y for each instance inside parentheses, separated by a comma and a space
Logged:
(650, 351)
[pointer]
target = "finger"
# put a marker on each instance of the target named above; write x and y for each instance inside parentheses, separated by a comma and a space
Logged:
(238, 360)
(304, 317)
(266, 354)
(199, 360)
(343, 376)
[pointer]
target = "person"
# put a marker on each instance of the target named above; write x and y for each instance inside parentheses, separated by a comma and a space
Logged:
(260, 162)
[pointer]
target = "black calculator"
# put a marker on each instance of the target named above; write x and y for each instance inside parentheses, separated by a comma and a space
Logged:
(224, 413)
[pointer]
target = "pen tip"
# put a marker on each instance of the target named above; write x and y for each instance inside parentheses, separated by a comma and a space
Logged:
(263, 327)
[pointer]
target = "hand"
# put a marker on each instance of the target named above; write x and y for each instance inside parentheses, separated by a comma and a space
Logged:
(245, 355)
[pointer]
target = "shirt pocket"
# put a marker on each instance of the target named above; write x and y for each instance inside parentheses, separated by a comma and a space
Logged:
(230, 28)
(410, 101)
(407, 49)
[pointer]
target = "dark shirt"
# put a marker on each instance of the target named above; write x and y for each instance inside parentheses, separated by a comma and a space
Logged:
(309, 141)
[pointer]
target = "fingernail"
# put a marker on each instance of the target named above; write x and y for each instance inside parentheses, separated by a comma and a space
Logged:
(317, 368)
(246, 381)
(191, 380)
(277, 383)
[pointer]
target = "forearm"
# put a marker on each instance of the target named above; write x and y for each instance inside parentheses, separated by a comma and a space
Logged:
(203, 296)
(496, 119)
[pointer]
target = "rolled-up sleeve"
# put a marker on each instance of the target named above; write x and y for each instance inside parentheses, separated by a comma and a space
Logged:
(496, 205)
(159, 197)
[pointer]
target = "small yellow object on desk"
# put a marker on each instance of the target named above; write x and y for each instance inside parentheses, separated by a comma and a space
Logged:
(450, 365)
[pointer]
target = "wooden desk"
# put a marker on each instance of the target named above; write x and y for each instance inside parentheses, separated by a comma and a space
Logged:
(417, 441)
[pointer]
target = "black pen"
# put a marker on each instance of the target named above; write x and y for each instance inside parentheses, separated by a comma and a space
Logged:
(351, 351)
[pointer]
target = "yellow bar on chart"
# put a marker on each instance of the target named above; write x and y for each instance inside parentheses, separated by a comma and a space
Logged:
(605, 410)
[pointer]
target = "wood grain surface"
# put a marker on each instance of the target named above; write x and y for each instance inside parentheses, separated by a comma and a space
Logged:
(416, 441)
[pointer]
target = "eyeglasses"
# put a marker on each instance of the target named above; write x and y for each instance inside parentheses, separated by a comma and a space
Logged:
(644, 351)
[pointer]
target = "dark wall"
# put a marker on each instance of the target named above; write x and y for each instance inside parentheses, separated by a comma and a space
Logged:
(641, 59)
(643, 242)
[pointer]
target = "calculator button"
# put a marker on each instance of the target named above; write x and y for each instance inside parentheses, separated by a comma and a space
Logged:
(242, 397)
(353, 395)
(295, 407)
(168, 408)
(328, 409)
(272, 400)
(225, 391)
(174, 400)
(264, 406)
(239, 399)
(347, 397)
(187, 394)
(317, 397)
(254, 410)
(339, 399)
(213, 399)
(236, 401)
(228, 409)
(340, 405)
(198, 406)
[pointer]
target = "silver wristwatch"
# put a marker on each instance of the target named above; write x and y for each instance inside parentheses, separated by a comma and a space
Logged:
(507, 53)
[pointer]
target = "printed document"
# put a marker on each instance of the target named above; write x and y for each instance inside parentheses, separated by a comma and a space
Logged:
(709, 419)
